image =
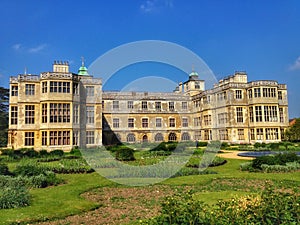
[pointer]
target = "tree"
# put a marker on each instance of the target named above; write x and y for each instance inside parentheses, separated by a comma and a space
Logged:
(293, 133)
(4, 97)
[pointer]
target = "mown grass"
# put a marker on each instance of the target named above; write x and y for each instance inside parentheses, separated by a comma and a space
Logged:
(58, 201)
(213, 197)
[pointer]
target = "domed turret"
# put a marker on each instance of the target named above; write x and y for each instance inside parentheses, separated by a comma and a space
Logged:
(83, 71)
(194, 75)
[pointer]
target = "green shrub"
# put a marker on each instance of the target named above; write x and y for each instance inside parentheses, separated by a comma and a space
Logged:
(193, 162)
(202, 143)
(71, 157)
(288, 157)
(125, 154)
(161, 147)
(30, 153)
(157, 153)
(180, 209)
(271, 207)
(34, 175)
(44, 153)
(114, 148)
(198, 152)
(8, 152)
(4, 169)
(232, 148)
(57, 152)
(171, 146)
(13, 154)
(224, 145)
(14, 197)
(75, 151)
(13, 194)
(274, 146)
(49, 159)
(217, 161)
(259, 145)
(286, 144)
(278, 159)
(68, 166)
(28, 168)
(269, 160)
(292, 166)
(43, 180)
(187, 171)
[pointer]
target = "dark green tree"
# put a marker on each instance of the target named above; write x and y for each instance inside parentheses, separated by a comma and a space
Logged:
(4, 97)
(293, 133)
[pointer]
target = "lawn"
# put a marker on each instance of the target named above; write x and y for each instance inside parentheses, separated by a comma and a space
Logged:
(57, 201)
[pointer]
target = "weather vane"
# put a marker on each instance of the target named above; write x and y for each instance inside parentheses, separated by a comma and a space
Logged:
(82, 60)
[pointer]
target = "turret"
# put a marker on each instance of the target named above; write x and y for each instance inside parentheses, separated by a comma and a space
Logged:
(61, 67)
(83, 71)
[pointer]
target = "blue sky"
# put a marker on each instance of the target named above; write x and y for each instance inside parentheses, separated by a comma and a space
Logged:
(260, 37)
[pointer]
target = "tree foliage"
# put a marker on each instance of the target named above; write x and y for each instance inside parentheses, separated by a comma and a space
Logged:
(4, 97)
(293, 133)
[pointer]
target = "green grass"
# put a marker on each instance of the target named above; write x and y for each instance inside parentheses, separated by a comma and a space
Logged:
(231, 170)
(212, 197)
(58, 201)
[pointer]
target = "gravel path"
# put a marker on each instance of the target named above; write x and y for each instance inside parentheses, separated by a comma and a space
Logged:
(233, 155)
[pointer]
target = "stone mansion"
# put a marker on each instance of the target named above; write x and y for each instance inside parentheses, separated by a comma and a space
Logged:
(60, 110)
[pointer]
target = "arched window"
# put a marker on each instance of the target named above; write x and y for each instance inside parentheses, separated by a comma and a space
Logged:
(145, 138)
(172, 137)
(185, 136)
(130, 137)
(158, 137)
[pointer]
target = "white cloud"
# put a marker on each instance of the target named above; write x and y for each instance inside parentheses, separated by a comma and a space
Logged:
(295, 65)
(150, 6)
(16, 47)
(37, 48)
(21, 48)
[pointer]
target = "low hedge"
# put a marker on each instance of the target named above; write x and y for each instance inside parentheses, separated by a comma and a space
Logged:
(4, 169)
(278, 159)
(187, 171)
(31, 153)
(13, 193)
(289, 167)
(194, 162)
(125, 154)
(285, 162)
(67, 166)
(34, 175)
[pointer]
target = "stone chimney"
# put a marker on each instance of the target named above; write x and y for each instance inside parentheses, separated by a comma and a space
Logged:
(61, 67)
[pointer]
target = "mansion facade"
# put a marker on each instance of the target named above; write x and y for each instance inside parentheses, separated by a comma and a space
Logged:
(60, 110)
